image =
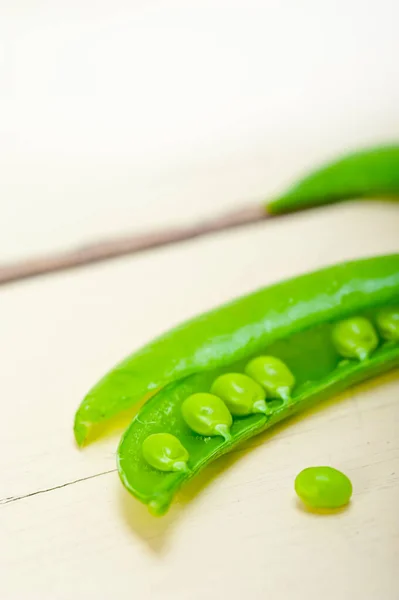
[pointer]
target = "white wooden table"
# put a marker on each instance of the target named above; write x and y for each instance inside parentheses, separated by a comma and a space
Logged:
(67, 527)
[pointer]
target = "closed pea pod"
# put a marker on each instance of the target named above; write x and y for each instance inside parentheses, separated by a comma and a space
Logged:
(388, 323)
(355, 338)
(241, 394)
(369, 173)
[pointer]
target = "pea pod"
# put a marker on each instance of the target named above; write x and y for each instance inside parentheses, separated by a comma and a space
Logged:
(371, 173)
(243, 328)
(324, 332)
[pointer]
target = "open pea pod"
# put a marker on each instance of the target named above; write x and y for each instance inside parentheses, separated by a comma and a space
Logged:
(370, 173)
(235, 371)
(269, 355)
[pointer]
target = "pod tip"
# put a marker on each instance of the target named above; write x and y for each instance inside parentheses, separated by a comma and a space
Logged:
(81, 431)
(159, 505)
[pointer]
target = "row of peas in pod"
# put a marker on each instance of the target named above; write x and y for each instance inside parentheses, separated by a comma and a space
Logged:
(266, 377)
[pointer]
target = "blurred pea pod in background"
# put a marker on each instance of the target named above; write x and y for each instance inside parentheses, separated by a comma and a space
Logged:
(366, 174)
(370, 174)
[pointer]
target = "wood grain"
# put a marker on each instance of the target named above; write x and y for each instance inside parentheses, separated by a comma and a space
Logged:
(131, 244)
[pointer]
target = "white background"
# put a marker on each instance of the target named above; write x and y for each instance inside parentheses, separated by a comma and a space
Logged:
(115, 116)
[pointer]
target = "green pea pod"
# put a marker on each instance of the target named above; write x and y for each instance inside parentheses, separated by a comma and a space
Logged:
(321, 332)
(163, 413)
(372, 173)
(244, 328)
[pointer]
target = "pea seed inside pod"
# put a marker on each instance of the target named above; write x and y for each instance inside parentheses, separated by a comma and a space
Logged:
(241, 394)
(273, 375)
(207, 415)
(355, 338)
(165, 452)
(388, 323)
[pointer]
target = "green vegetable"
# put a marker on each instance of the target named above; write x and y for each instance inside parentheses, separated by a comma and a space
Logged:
(372, 173)
(323, 487)
(207, 415)
(242, 330)
(165, 452)
(299, 339)
(241, 394)
(388, 323)
(273, 375)
(355, 338)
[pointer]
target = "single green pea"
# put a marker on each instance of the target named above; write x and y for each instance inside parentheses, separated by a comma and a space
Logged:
(241, 394)
(165, 452)
(207, 415)
(355, 338)
(388, 323)
(273, 375)
(323, 487)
